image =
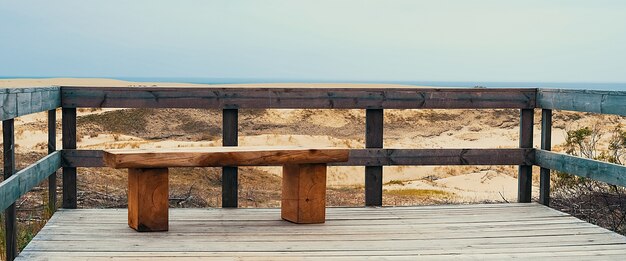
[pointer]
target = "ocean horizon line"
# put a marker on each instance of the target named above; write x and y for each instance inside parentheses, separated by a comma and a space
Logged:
(608, 86)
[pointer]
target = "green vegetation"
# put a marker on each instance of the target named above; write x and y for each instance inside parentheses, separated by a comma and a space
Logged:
(28, 224)
(2, 238)
(27, 228)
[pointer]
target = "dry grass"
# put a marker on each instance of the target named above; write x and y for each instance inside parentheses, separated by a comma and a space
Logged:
(41, 146)
(395, 182)
(32, 214)
(120, 121)
(412, 197)
(124, 145)
(446, 120)
(449, 171)
(419, 193)
(154, 124)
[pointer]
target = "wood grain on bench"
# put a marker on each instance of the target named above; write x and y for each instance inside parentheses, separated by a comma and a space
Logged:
(221, 157)
(303, 199)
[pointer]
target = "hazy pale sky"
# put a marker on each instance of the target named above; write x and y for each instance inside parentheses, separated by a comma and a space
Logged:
(434, 40)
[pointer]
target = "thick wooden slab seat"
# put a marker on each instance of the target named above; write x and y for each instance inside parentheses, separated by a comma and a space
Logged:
(303, 198)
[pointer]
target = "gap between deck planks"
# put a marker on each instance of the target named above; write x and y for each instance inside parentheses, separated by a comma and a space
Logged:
(497, 231)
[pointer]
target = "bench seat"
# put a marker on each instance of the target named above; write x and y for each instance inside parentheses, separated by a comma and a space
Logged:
(303, 199)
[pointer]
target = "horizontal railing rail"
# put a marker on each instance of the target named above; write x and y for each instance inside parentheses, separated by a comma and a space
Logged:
(610, 173)
(24, 180)
(297, 98)
(372, 157)
(604, 102)
(15, 102)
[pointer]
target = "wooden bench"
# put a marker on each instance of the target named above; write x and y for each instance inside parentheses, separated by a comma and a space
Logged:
(303, 199)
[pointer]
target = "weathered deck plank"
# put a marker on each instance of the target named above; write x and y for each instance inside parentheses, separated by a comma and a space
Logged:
(485, 232)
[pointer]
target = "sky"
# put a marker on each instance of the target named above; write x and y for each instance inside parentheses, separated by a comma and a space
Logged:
(360, 40)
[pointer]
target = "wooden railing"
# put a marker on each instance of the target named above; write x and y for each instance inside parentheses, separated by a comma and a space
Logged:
(604, 102)
(17, 102)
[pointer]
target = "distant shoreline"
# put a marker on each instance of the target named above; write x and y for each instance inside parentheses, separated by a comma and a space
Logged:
(460, 84)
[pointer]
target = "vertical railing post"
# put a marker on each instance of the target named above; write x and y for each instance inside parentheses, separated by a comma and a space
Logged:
(52, 147)
(230, 126)
(374, 174)
(546, 144)
(524, 178)
(10, 223)
(69, 142)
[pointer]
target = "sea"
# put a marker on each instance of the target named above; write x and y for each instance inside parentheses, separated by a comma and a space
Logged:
(606, 86)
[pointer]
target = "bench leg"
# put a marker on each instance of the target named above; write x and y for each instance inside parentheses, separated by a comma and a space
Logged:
(304, 193)
(148, 197)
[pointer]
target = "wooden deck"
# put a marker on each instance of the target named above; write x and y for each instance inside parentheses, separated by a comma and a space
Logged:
(478, 232)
